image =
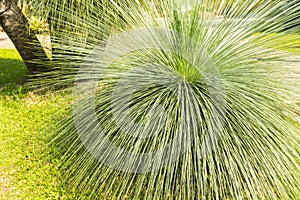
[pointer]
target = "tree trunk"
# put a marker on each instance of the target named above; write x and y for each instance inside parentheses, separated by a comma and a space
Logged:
(16, 26)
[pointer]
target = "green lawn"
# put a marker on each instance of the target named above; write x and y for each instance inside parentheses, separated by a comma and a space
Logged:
(27, 124)
(12, 68)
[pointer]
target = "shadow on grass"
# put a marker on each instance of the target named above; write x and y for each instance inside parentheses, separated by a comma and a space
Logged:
(12, 72)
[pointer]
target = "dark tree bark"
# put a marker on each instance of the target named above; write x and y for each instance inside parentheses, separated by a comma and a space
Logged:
(16, 26)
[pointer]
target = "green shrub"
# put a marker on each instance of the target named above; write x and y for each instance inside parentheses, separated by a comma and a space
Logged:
(212, 89)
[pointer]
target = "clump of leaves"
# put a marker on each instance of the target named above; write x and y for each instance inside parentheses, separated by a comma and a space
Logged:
(179, 99)
(37, 23)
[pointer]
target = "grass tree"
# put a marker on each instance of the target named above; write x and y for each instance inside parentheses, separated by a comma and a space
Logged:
(174, 101)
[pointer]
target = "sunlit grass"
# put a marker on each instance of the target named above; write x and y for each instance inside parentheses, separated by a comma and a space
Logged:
(26, 126)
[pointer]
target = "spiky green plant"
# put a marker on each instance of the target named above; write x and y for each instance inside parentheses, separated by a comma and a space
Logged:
(179, 99)
(37, 23)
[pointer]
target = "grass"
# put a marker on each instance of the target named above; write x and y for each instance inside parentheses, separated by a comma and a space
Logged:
(12, 68)
(27, 171)
(27, 123)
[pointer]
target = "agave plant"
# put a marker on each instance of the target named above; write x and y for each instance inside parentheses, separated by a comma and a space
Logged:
(180, 99)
